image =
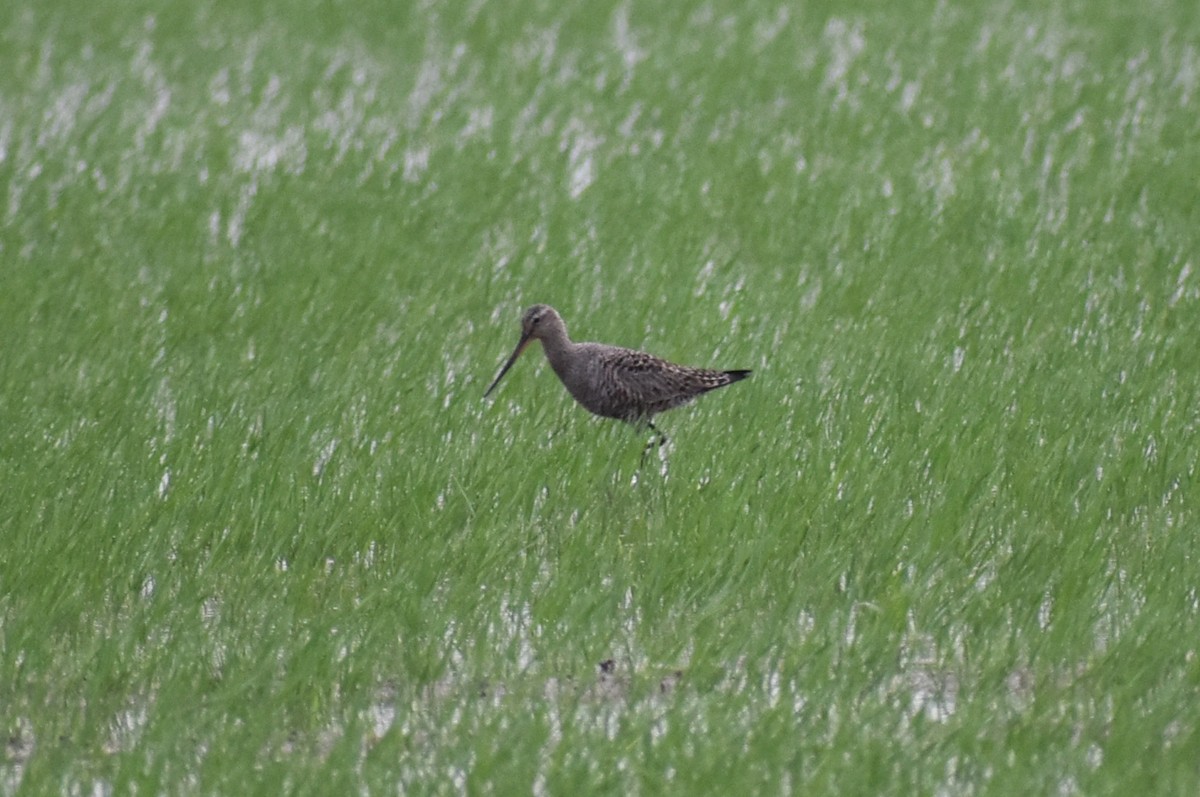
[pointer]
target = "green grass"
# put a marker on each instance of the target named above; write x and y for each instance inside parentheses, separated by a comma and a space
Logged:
(262, 533)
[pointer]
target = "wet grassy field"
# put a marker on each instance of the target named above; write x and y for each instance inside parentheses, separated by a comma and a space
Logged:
(261, 533)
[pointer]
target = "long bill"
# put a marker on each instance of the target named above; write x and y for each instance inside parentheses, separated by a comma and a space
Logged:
(512, 359)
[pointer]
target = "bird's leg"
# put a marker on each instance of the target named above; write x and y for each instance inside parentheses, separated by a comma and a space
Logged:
(662, 440)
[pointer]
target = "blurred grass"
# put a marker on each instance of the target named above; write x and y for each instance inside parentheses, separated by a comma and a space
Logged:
(262, 532)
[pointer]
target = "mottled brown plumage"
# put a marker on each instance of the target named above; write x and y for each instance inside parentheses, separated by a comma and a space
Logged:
(611, 381)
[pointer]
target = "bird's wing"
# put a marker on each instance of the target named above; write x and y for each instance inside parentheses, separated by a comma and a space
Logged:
(649, 384)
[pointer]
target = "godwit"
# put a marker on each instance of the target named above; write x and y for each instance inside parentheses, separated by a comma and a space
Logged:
(610, 381)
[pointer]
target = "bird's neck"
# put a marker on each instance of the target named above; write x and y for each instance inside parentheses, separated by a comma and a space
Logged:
(558, 350)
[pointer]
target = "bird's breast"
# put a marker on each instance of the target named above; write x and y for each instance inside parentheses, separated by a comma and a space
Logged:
(580, 367)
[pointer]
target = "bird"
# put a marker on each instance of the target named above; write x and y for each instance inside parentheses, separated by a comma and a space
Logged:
(612, 381)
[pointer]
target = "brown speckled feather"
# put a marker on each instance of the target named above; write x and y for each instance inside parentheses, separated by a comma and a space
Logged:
(643, 385)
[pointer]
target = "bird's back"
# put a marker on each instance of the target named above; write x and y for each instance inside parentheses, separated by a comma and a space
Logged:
(633, 385)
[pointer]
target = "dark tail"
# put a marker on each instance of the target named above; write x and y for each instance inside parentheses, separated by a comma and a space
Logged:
(711, 380)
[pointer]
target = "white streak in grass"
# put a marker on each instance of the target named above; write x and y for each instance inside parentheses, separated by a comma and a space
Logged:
(846, 42)
(19, 749)
(1181, 286)
(214, 228)
(218, 88)
(703, 277)
(429, 82)
(766, 31)
(580, 144)
(64, 113)
(268, 151)
(625, 41)
(323, 457)
(416, 163)
(851, 634)
(935, 175)
(1188, 76)
(516, 626)
(125, 729)
(16, 193)
(774, 687)
(233, 229)
(480, 122)
(381, 715)
(932, 687)
(627, 126)
(1045, 611)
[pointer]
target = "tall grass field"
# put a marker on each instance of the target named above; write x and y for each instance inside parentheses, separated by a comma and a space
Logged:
(260, 532)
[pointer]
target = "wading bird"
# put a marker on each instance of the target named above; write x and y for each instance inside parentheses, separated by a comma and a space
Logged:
(611, 381)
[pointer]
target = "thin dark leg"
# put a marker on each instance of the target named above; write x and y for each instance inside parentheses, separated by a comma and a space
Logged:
(662, 440)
